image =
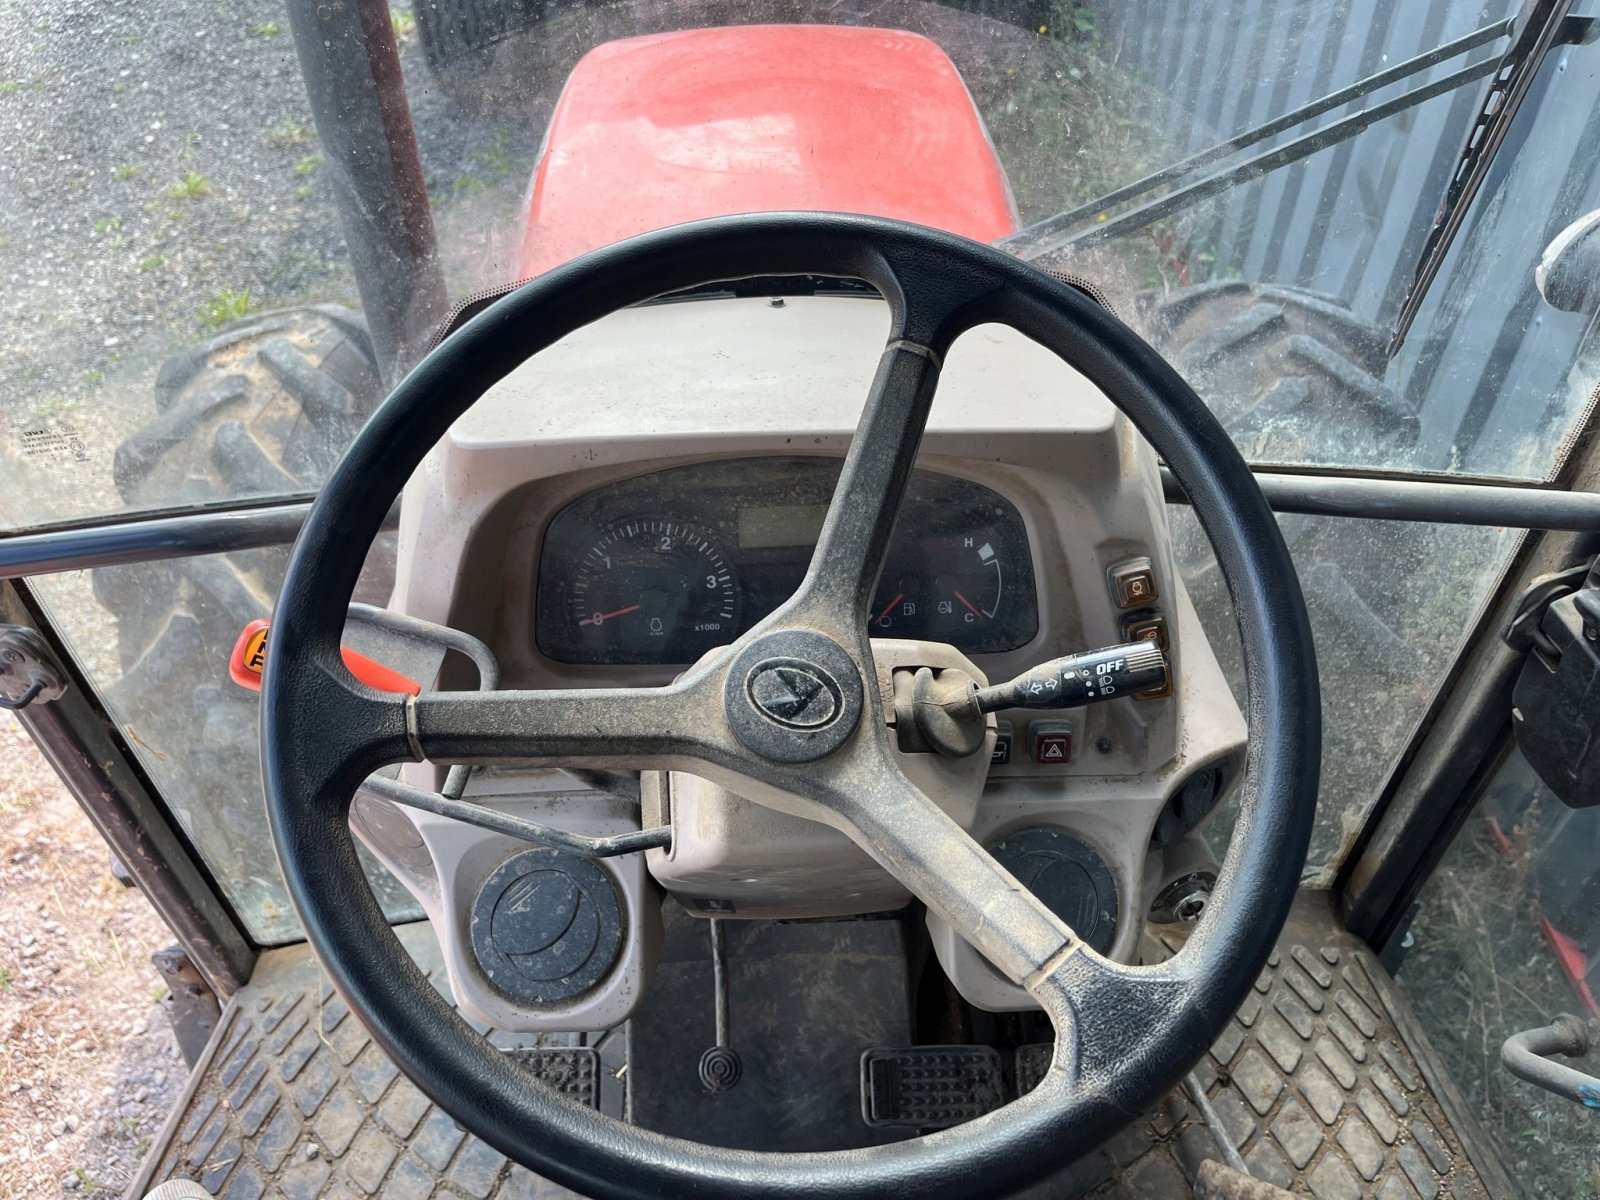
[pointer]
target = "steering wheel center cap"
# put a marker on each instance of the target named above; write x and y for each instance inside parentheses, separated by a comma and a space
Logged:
(793, 693)
(793, 696)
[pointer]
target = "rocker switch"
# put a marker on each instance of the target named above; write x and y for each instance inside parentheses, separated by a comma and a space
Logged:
(1133, 583)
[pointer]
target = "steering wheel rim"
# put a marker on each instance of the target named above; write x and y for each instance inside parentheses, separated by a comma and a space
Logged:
(1124, 1035)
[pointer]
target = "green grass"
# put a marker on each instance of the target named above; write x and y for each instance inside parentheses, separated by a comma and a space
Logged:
(5, 979)
(489, 168)
(9, 86)
(265, 29)
(303, 192)
(404, 25)
(308, 164)
(224, 306)
(94, 376)
(154, 263)
(107, 224)
(55, 407)
(192, 186)
(290, 133)
(124, 172)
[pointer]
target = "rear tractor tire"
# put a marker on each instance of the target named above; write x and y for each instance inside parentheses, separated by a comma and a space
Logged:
(1294, 376)
(262, 409)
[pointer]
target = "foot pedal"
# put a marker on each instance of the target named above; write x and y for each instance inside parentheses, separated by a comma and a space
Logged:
(1033, 1064)
(929, 1087)
(571, 1070)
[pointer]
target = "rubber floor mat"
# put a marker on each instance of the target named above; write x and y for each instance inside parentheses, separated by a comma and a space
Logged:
(1323, 1081)
(292, 1099)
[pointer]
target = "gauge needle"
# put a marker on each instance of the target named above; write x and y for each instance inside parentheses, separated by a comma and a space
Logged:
(600, 618)
(898, 596)
(973, 608)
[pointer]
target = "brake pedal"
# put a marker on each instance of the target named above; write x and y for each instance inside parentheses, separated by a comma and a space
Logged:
(929, 1087)
(574, 1071)
(1033, 1064)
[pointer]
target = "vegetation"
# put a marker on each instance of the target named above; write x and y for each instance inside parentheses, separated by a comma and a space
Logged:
(265, 29)
(224, 306)
(404, 25)
(192, 186)
(124, 172)
(290, 133)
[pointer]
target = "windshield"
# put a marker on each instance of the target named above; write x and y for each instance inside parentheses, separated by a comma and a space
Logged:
(220, 248)
(169, 179)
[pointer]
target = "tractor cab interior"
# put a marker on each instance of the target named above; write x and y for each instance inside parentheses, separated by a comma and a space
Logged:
(950, 599)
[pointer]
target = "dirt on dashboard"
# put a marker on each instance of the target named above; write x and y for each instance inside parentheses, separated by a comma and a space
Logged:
(88, 1065)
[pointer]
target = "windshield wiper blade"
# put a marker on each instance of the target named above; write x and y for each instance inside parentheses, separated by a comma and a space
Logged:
(1054, 232)
(1541, 26)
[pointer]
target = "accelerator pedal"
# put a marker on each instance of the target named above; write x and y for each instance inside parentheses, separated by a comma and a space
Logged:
(929, 1087)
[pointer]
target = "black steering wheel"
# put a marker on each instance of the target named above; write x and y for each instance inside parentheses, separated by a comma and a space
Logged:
(1123, 1034)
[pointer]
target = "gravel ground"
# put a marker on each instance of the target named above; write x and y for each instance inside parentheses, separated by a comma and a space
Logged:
(136, 214)
(89, 1067)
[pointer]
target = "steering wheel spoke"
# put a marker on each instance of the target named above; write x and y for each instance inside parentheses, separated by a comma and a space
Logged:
(869, 798)
(855, 536)
(635, 727)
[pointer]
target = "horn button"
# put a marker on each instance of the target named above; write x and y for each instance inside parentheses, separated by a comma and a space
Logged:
(793, 696)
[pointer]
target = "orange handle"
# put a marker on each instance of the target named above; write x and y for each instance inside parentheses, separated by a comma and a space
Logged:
(250, 656)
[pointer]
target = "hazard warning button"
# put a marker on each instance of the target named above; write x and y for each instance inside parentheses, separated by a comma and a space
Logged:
(1051, 742)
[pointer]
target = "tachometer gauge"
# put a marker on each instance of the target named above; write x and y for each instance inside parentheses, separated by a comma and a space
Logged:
(652, 590)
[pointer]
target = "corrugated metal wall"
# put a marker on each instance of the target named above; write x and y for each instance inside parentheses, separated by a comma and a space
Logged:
(1487, 363)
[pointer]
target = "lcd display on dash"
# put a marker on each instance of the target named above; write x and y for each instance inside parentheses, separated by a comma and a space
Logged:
(763, 526)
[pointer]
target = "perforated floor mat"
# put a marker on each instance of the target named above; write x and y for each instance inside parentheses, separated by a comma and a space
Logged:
(1323, 1081)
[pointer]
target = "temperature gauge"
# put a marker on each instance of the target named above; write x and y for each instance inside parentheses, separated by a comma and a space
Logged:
(969, 587)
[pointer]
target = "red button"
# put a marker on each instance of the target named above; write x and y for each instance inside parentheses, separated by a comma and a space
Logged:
(1051, 743)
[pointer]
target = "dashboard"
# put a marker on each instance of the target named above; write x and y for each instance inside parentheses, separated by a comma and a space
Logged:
(602, 519)
(663, 567)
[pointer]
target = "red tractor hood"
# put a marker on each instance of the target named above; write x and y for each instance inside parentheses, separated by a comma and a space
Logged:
(653, 131)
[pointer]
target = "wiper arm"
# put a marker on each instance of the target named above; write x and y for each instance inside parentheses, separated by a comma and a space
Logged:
(1268, 160)
(1054, 232)
(1541, 26)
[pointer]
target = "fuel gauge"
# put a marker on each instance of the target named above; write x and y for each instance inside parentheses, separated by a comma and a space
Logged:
(899, 608)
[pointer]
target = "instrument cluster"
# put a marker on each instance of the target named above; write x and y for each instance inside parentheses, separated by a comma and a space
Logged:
(663, 567)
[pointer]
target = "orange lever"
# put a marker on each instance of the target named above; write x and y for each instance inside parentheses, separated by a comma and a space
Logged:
(250, 656)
